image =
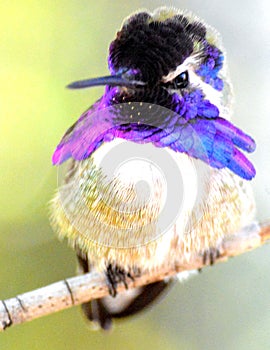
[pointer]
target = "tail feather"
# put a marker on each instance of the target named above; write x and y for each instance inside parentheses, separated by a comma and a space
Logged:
(102, 311)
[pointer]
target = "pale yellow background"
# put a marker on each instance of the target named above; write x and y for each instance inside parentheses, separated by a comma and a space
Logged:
(43, 46)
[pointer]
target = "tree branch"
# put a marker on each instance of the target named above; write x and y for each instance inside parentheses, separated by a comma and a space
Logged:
(77, 290)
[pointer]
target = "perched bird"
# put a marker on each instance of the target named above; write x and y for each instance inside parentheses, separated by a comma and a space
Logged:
(166, 109)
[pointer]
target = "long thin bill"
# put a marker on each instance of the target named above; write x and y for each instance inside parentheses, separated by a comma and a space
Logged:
(113, 80)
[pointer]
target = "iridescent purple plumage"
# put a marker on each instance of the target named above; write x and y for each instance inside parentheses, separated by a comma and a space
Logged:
(211, 66)
(185, 121)
(167, 87)
(196, 130)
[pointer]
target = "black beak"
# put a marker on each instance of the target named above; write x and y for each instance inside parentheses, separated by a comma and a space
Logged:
(112, 80)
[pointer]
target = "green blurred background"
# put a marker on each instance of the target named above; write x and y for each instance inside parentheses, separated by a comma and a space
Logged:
(44, 46)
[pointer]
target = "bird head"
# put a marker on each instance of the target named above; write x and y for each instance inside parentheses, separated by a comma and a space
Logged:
(174, 61)
(172, 54)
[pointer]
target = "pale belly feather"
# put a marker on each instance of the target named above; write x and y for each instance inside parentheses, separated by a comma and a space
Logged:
(136, 215)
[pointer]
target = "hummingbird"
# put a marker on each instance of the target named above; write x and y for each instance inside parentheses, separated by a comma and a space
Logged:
(168, 95)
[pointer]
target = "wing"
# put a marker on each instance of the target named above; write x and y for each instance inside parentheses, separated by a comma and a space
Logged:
(84, 136)
(213, 140)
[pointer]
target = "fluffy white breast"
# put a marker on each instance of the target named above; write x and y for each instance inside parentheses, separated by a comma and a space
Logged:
(158, 187)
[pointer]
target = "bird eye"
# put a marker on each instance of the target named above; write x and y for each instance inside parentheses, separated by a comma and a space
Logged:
(181, 81)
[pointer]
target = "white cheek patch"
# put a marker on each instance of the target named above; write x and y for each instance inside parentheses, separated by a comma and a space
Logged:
(211, 94)
(186, 65)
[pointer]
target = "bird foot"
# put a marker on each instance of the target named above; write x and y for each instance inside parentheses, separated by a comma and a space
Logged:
(116, 275)
(210, 256)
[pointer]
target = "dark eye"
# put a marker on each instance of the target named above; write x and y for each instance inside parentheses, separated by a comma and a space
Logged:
(181, 81)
